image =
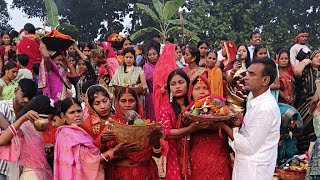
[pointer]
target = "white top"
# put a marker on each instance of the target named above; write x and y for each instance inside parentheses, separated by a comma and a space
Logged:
(220, 57)
(256, 143)
(23, 73)
(294, 50)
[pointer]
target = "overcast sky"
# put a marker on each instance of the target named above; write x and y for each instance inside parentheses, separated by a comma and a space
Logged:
(19, 18)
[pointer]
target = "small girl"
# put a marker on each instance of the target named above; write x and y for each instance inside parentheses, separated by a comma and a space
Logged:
(140, 59)
(129, 75)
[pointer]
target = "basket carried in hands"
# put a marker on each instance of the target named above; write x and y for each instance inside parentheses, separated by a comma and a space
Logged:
(291, 174)
(139, 135)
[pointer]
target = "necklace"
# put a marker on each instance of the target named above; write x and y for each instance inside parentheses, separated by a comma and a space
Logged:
(8, 82)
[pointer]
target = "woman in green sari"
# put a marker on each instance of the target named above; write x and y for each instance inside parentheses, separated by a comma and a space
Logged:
(7, 83)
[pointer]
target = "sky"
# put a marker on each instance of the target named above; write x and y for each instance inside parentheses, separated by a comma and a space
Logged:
(18, 18)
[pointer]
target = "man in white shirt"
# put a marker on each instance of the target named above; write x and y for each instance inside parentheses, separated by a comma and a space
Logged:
(300, 42)
(256, 143)
(255, 39)
(25, 91)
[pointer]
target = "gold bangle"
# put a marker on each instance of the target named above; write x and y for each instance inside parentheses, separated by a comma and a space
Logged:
(156, 151)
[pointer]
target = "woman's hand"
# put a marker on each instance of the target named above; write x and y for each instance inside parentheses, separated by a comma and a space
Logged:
(236, 66)
(163, 89)
(8, 48)
(155, 137)
(30, 115)
(124, 148)
(195, 126)
(237, 121)
(107, 135)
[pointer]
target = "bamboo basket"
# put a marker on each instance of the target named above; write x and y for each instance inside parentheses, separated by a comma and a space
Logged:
(291, 174)
(139, 135)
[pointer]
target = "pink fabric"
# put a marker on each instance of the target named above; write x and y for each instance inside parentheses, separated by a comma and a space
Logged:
(28, 149)
(75, 156)
(111, 60)
(148, 69)
(53, 83)
(165, 64)
(169, 120)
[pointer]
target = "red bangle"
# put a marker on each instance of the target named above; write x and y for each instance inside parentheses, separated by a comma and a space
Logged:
(13, 130)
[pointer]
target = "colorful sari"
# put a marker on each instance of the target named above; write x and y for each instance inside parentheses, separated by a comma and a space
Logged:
(231, 51)
(166, 64)
(111, 59)
(148, 69)
(54, 84)
(193, 74)
(215, 79)
(146, 167)
(306, 87)
(125, 79)
(7, 90)
(286, 85)
(30, 47)
(28, 149)
(236, 94)
(75, 155)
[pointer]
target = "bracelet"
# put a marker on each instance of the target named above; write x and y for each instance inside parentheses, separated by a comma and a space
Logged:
(104, 157)
(13, 130)
(110, 154)
(156, 151)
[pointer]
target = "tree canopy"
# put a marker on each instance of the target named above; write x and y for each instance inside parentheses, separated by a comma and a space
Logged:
(4, 16)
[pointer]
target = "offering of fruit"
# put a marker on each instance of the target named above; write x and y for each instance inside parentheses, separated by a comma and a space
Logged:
(210, 106)
(133, 118)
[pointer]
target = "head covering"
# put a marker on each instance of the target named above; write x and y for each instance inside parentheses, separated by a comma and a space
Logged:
(314, 53)
(107, 46)
(231, 50)
(199, 78)
(296, 39)
(111, 61)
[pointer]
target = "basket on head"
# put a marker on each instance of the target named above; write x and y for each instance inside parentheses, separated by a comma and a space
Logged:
(138, 135)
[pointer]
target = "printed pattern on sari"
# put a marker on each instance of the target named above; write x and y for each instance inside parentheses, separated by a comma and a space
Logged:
(286, 85)
(123, 79)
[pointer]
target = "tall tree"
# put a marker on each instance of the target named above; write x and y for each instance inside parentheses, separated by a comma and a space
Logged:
(4, 16)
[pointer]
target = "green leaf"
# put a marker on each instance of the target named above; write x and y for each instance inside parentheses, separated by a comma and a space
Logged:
(141, 32)
(171, 8)
(148, 11)
(67, 27)
(159, 7)
(52, 12)
(191, 35)
(185, 22)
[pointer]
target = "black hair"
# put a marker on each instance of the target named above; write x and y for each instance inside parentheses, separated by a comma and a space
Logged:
(35, 68)
(86, 85)
(124, 40)
(248, 60)
(133, 52)
(284, 51)
(56, 54)
(156, 35)
(28, 88)
(155, 45)
(133, 93)
(23, 59)
(270, 68)
(9, 65)
(254, 33)
(212, 51)
(68, 102)
(195, 53)
(95, 90)
(174, 103)
(57, 108)
(257, 48)
(141, 48)
(82, 45)
(5, 33)
(303, 55)
(40, 104)
(170, 39)
(29, 28)
(13, 34)
(223, 38)
(303, 31)
(203, 42)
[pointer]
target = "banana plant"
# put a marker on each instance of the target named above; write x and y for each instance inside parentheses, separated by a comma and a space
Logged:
(163, 16)
(53, 18)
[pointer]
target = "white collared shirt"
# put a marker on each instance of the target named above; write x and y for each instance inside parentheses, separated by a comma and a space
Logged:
(294, 50)
(256, 143)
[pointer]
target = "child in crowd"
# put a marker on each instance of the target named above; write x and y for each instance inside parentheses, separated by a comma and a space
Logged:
(140, 60)
(22, 62)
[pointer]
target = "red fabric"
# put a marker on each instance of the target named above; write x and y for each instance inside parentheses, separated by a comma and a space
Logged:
(204, 79)
(166, 63)
(108, 47)
(231, 50)
(49, 136)
(30, 47)
(299, 35)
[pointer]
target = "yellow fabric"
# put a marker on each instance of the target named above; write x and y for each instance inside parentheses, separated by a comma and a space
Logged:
(215, 80)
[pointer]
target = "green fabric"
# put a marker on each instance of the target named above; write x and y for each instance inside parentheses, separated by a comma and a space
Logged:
(7, 91)
(123, 79)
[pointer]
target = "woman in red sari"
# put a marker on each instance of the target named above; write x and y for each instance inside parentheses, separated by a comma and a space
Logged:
(135, 165)
(208, 152)
(286, 76)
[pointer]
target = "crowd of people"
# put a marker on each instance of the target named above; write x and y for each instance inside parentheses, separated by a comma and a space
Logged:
(81, 88)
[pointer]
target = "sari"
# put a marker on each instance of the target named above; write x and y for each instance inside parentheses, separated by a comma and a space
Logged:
(146, 167)
(75, 155)
(125, 79)
(27, 148)
(7, 90)
(215, 79)
(288, 144)
(193, 74)
(148, 69)
(111, 59)
(231, 51)
(306, 87)
(54, 84)
(236, 94)
(30, 47)
(166, 64)
(206, 151)
(286, 85)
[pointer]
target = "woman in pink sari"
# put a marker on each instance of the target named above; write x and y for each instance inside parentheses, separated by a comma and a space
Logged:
(75, 155)
(21, 144)
(111, 59)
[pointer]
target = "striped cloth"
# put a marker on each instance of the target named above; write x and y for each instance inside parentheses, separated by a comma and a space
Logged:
(6, 108)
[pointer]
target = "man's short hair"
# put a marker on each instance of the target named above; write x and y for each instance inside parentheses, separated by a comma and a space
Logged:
(170, 39)
(270, 68)
(254, 33)
(23, 59)
(28, 88)
(29, 28)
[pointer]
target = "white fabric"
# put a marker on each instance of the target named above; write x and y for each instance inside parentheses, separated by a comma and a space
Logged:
(256, 143)
(294, 50)
(220, 57)
(23, 73)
